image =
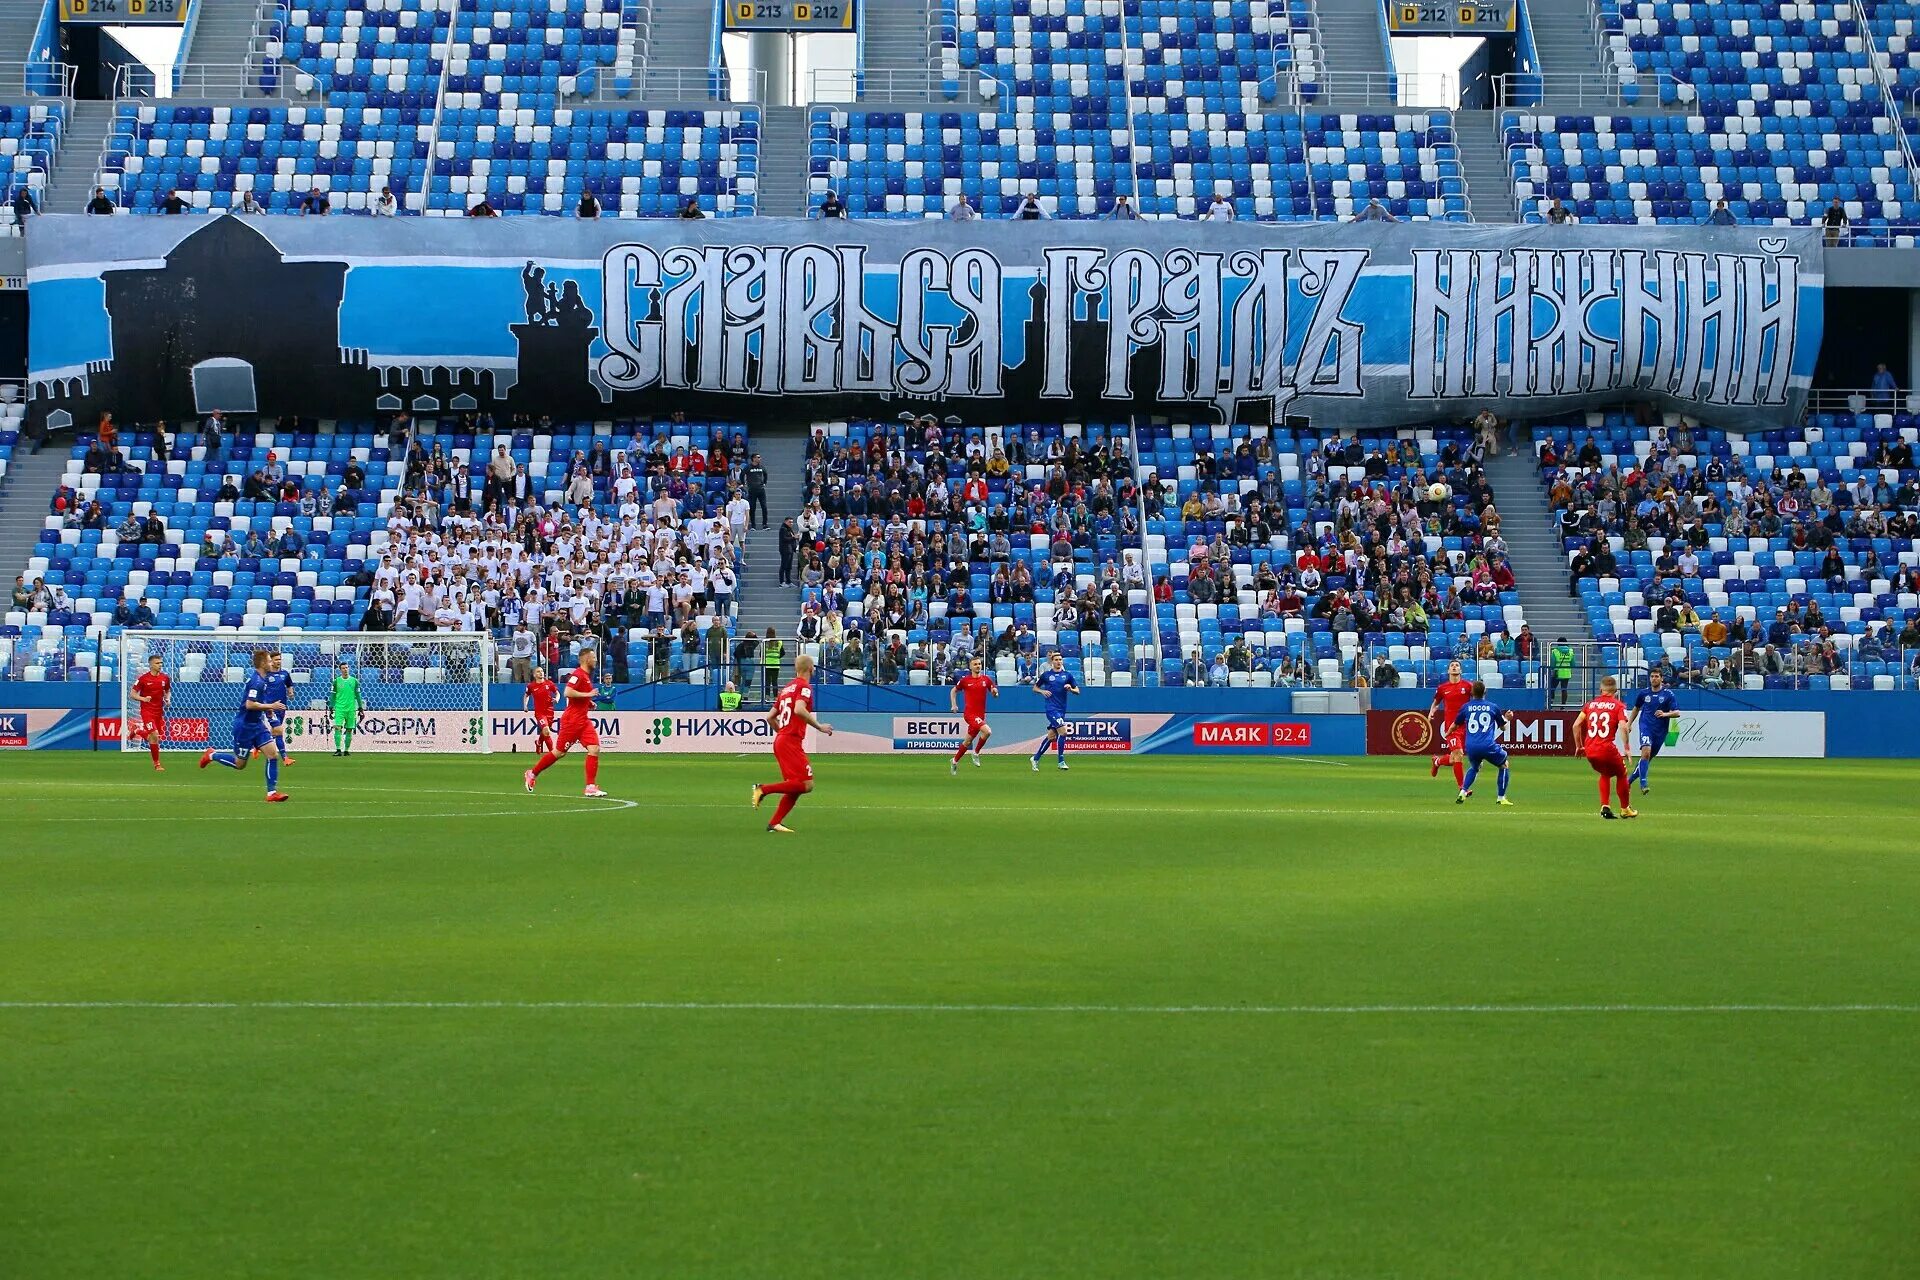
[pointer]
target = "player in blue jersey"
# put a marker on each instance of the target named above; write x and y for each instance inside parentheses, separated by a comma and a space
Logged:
(281, 692)
(251, 728)
(1482, 721)
(1651, 710)
(1054, 684)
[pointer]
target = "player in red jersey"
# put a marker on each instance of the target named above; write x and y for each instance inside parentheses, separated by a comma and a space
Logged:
(974, 688)
(1597, 729)
(539, 699)
(1447, 701)
(576, 725)
(151, 691)
(791, 716)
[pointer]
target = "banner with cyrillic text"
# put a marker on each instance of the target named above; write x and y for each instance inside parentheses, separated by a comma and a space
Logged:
(1347, 325)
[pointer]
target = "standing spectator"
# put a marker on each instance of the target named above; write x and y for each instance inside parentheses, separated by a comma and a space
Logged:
(961, 210)
(1030, 209)
(1835, 221)
(1560, 666)
(831, 207)
(691, 211)
(757, 493)
(521, 651)
(1123, 210)
(1558, 214)
(174, 203)
(1221, 210)
(23, 207)
(771, 651)
(1885, 390)
(249, 206)
(1374, 211)
(589, 206)
(315, 204)
(384, 205)
(100, 203)
(1721, 216)
(745, 649)
(482, 210)
(789, 547)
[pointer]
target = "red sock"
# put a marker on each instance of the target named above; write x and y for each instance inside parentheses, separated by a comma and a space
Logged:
(1621, 784)
(593, 769)
(1460, 776)
(544, 763)
(153, 749)
(787, 801)
(960, 750)
(780, 789)
(1604, 780)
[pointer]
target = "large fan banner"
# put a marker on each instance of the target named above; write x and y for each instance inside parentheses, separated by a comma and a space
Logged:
(1347, 325)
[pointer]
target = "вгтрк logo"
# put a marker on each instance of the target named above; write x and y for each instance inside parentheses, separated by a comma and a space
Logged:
(1412, 732)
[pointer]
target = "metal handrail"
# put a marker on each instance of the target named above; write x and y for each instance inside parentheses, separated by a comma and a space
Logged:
(193, 80)
(439, 110)
(836, 86)
(27, 78)
(1887, 98)
(1861, 399)
(1512, 90)
(1337, 87)
(742, 86)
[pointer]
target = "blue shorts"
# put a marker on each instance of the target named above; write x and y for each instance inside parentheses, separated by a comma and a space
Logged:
(1493, 752)
(248, 736)
(1652, 744)
(1057, 720)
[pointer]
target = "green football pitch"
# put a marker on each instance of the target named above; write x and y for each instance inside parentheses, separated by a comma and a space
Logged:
(1173, 1017)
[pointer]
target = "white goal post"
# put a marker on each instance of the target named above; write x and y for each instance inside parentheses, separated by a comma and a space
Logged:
(420, 691)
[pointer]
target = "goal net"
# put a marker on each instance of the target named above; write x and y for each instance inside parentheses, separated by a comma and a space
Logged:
(418, 691)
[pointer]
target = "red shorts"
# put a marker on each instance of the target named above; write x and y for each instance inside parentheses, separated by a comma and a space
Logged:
(583, 733)
(1606, 761)
(153, 724)
(1456, 738)
(543, 724)
(792, 759)
(974, 726)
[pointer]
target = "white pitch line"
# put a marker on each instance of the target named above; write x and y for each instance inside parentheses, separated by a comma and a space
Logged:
(699, 1006)
(574, 806)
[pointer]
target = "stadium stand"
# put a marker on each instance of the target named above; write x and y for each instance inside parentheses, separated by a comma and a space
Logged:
(13, 415)
(1766, 560)
(29, 141)
(1674, 168)
(924, 544)
(1301, 558)
(636, 163)
(306, 530)
(383, 53)
(1274, 167)
(1790, 116)
(213, 155)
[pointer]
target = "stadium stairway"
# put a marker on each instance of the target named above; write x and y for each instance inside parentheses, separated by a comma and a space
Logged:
(765, 603)
(1533, 548)
(1483, 162)
(223, 35)
(18, 21)
(70, 185)
(783, 163)
(1355, 53)
(1564, 40)
(679, 34)
(896, 37)
(24, 493)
